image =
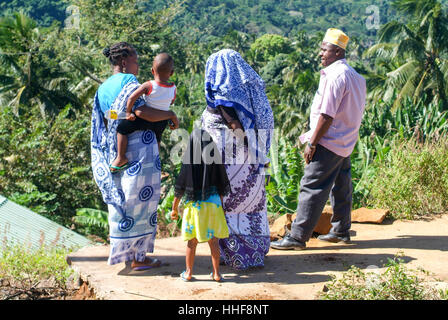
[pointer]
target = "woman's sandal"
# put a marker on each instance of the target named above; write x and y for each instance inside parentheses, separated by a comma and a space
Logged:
(154, 263)
(184, 278)
(221, 279)
(115, 169)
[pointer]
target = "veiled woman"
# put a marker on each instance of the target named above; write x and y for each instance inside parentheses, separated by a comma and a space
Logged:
(132, 195)
(236, 100)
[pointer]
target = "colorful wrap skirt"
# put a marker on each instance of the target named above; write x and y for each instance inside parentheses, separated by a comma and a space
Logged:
(204, 220)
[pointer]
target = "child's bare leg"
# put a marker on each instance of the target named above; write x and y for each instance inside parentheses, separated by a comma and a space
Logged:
(214, 249)
(122, 145)
(189, 258)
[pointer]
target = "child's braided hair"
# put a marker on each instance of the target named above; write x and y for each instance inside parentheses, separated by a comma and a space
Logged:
(119, 51)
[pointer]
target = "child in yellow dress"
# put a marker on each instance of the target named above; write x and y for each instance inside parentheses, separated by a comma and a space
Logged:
(203, 182)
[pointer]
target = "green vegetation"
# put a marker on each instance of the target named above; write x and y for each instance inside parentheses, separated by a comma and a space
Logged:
(34, 274)
(206, 19)
(45, 12)
(413, 54)
(93, 221)
(45, 163)
(50, 72)
(412, 180)
(396, 282)
(286, 171)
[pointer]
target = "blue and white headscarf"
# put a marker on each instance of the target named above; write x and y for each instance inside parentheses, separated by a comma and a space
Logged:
(231, 82)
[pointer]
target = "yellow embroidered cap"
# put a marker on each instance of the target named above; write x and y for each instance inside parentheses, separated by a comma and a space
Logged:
(336, 37)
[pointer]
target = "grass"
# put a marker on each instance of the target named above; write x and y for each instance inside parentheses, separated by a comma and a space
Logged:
(412, 181)
(396, 282)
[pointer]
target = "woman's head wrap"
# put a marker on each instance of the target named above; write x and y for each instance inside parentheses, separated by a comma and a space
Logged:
(231, 82)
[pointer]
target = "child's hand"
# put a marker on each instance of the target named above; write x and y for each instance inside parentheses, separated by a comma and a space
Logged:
(174, 122)
(130, 116)
(174, 215)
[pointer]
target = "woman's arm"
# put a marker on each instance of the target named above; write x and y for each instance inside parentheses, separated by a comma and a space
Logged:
(154, 115)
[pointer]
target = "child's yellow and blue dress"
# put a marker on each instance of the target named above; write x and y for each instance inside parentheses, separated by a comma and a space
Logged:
(204, 220)
(201, 182)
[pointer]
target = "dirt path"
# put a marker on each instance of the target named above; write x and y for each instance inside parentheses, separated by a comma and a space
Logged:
(286, 275)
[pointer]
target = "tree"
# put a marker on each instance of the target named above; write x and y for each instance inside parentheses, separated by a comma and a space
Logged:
(30, 76)
(266, 47)
(104, 22)
(416, 50)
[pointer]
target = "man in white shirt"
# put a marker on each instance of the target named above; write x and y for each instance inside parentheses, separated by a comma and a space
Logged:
(335, 118)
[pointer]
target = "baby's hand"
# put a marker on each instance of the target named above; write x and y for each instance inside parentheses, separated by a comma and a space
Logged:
(130, 116)
(174, 215)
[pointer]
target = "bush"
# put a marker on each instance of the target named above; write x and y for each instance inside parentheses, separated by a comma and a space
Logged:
(45, 163)
(412, 181)
(287, 167)
(33, 274)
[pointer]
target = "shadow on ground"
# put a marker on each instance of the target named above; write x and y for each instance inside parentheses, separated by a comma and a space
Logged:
(401, 242)
(307, 268)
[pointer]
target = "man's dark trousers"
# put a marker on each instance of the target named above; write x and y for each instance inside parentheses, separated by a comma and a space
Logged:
(326, 175)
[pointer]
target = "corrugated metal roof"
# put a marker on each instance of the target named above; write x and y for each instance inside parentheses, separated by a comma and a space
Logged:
(19, 225)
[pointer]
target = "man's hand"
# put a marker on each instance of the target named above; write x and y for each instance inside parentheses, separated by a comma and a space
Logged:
(323, 123)
(308, 154)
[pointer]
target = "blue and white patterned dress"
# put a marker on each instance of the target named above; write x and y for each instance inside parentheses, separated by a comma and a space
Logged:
(231, 82)
(132, 196)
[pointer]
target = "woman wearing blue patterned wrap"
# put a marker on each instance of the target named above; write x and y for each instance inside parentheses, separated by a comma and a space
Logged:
(236, 99)
(132, 195)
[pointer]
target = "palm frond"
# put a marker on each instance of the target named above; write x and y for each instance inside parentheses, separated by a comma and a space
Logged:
(382, 50)
(411, 47)
(401, 75)
(390, 31)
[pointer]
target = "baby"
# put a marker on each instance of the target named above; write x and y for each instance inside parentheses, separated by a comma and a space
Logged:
(159, 94)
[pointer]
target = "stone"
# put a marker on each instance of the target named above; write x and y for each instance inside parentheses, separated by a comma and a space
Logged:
(280, 226)
(324, 224)
(365, 215)
(283, 224)
(84, 292)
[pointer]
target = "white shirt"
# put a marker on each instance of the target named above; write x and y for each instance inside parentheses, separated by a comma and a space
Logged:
(160, 96)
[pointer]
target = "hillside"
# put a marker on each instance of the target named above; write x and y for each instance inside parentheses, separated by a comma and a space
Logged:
(43, 11)
(201, 19)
